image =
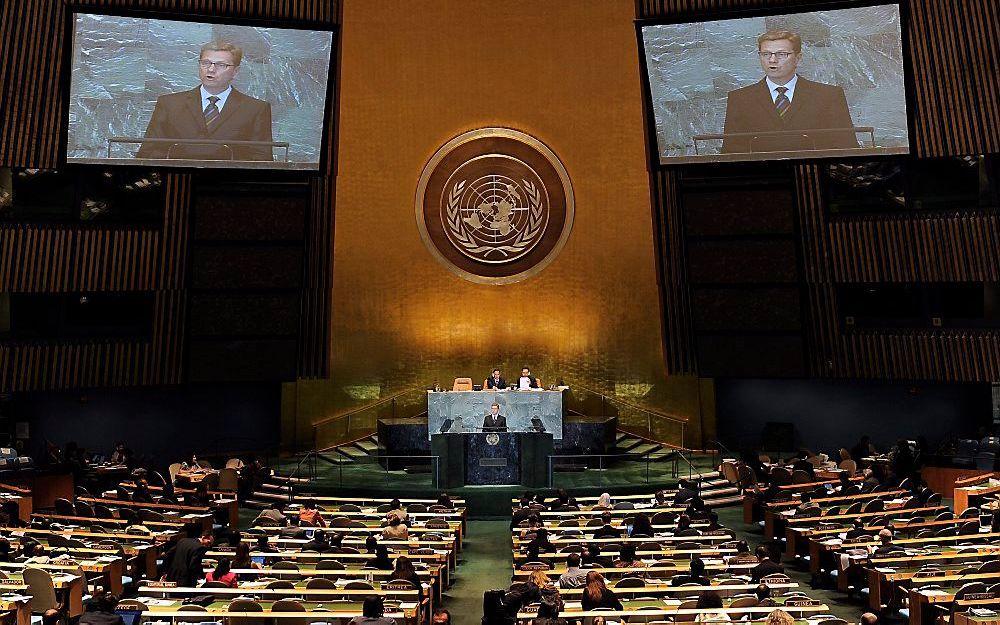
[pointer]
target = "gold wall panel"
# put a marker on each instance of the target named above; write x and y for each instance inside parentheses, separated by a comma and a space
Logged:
(413, 76)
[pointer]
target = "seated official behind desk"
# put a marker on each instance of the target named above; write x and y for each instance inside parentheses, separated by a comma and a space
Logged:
(495, 382)
(527, 380)
(494, 421)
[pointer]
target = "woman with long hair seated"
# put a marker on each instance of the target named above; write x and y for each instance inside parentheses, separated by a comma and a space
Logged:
(373, 613)
(598, 595)
(242, 560)
(710, 602)
(223, 574)
(404, 571)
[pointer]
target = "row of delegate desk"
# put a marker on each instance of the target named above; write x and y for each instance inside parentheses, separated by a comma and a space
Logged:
(646, 593)
(433, 553)
(944, 561)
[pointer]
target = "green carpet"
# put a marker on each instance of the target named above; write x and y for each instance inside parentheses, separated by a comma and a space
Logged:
(486, 564)
(349, 478)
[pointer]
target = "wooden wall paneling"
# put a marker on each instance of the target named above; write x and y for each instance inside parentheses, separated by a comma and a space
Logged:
(821, 320)
(31, 35)
(916, 248)
(311, 10)
(62, 259)
(678, 327)
(38, 367)
(314, 329)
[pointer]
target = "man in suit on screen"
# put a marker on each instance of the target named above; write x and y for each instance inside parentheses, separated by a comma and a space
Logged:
(213, 111)
(804, 112)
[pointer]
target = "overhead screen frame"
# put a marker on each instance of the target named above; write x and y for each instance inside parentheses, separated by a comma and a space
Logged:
(331, 109)
(711, 15)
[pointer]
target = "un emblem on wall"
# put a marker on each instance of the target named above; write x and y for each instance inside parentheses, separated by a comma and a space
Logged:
(494, 205)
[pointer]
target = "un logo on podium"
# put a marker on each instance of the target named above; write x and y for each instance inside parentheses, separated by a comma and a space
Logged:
(494, 205)
(492, 438)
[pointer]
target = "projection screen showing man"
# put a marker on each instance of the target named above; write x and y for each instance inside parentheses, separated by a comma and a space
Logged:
(194, 94)
(811, 85)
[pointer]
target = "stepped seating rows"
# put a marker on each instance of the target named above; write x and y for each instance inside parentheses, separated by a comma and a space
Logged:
(895, 545)
(644, 585)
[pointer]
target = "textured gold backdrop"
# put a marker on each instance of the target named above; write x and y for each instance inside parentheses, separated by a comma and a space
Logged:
(414, 75)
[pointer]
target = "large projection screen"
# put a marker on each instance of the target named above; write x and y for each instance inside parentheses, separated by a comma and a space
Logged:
(839, 71)
(139, 93)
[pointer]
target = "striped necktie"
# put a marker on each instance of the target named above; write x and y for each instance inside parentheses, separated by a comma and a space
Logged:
(211, 111)
(782, 102)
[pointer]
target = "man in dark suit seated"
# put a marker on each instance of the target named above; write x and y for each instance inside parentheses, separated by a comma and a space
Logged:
(802, 463)
(766, 565)
(495, 381)
(803, 111)
(886, 547)
(495, 422)
(213, 111)
(686, 491)
(607, 530)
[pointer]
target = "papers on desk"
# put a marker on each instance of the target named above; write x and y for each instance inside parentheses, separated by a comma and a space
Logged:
(65, 578)
(934, 592)
(160, 603)
(982, 612)
(408, 605)
(884, 569)
(573, 605)
(672, 602)
(256, 584)
(15, 597)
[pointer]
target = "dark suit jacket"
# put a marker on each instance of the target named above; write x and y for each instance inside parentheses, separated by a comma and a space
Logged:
(491, 383)
(608, 531)
(99, 617)
(814, 106)
(500, 425)
(180, 116)
(183, 562)
(684, 495)
(765, 568)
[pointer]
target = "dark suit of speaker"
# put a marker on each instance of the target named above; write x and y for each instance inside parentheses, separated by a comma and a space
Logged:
(815, 106)
(180, 116)
(498, 424)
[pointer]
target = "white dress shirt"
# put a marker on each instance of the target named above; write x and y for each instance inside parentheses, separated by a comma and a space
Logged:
(773, 86)
(222, 98)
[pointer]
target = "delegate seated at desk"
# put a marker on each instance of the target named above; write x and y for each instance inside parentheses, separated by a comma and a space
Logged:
(494, 421)
(495, 382)
(527, 380)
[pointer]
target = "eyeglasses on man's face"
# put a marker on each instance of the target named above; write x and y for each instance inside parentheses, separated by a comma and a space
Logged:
(218, 64)
(781, 56)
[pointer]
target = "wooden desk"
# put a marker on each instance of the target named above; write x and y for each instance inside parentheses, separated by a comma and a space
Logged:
(970, 488)
(66, 584)
(192, 514)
